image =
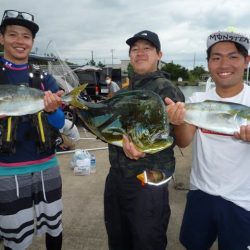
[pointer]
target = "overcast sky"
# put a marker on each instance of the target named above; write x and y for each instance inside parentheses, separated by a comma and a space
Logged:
(79, 27)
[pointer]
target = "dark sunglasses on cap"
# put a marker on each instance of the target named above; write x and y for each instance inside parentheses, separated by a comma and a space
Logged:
(17, 14)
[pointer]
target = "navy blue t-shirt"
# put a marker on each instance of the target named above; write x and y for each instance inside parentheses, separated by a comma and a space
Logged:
(26, 135)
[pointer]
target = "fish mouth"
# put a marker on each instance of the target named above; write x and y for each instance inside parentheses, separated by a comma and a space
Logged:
(161, 140)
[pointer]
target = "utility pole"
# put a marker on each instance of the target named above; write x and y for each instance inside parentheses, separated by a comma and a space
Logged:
(194, 62)
(92, 62)
(112, 56)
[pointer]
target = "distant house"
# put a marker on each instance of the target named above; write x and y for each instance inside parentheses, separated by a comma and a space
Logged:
(204, 77)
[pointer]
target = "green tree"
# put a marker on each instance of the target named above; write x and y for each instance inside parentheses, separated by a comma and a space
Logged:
(91, 62)
(197, 72)
(1, 48)
(176, 71)
(100, 65)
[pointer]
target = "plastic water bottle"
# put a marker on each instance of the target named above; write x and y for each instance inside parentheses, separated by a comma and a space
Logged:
(78, 155)
(92, 164)
(81, 162)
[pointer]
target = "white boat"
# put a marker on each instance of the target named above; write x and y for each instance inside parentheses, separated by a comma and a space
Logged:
(209, 83)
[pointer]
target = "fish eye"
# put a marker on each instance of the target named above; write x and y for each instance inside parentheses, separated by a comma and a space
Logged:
(145, 97)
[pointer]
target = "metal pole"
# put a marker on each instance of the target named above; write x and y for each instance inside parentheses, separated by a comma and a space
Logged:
(73, 151)
(112, 51)
(87, 138)
(194, 62)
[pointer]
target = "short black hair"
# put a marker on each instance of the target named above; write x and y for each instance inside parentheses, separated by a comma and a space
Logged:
(3, 30)
(157, 49)
(238, 46)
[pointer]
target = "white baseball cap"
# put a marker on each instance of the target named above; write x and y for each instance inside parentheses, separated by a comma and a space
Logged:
(224, 36)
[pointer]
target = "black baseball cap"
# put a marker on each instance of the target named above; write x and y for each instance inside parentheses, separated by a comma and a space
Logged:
(145, 35)
(14, 17)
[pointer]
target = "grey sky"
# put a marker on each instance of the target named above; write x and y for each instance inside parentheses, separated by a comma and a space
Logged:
(78, 27)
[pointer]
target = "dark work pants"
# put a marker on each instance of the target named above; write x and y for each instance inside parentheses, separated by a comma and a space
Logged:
(136, 216)
(208, 217)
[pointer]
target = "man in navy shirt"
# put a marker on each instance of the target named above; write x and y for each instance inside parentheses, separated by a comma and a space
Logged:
(29, 173)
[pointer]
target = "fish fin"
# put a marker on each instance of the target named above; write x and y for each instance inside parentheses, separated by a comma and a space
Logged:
(142, 178)
(227, 116)
(71, 97)
(116, 143)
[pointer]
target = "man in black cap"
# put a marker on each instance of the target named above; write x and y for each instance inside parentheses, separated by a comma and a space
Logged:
(137, 214)
(30, 181)
(13, 17)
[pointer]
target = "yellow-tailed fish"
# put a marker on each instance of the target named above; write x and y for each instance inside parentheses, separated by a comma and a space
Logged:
(18, 100)
(217, 116)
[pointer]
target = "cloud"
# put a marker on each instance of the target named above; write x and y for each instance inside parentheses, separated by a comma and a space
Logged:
(82, 28)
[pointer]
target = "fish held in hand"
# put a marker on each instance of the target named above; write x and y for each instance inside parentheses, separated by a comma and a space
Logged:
(18, 100)
(217, 116)
(139, 114)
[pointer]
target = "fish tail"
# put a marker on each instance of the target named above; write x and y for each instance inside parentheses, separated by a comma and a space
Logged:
(71, 97)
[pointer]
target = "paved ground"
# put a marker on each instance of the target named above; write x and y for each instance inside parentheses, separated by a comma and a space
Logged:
(83, 201)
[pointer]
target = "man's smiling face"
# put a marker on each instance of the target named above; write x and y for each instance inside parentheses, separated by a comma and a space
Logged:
(18, 42)
(226, 65)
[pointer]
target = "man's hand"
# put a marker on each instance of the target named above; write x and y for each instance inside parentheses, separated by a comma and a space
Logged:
(60, 93)
(244, 133)
(52, 101)
(130, 150)
(175, 111)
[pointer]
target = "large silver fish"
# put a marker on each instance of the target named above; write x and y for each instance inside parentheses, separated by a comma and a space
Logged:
(217, 116)
(139, 114)
(18, 100)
